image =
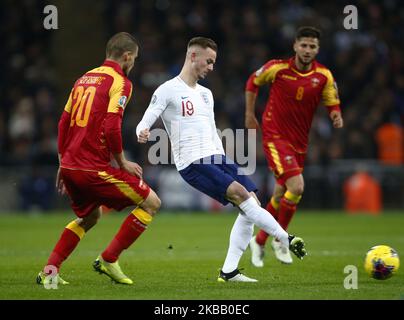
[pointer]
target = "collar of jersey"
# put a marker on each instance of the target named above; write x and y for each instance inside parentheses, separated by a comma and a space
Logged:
(196, 86)
(300, 73)
(114, 65)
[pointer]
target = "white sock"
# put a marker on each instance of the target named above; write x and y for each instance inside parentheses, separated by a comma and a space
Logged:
(240, 236)
(264, 220)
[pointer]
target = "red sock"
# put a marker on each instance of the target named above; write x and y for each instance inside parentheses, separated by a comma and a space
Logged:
(64, 247)
(262, 236)
(286, 211)
(130, 230)
(270, 208)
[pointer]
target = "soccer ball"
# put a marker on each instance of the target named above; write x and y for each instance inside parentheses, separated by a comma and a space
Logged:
(381, 262)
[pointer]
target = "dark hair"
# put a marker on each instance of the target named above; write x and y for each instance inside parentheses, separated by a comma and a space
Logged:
(308, 32)
(203, 42)
(120, 43)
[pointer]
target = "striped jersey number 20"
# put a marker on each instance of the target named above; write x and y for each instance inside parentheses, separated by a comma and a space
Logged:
(82, 107)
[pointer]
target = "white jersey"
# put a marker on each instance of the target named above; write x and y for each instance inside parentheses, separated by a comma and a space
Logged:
(188, 117)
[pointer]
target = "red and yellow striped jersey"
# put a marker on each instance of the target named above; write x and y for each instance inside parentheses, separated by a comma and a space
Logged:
(90, 127)
(293, 98)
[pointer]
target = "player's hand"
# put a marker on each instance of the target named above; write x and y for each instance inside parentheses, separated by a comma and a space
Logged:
(251, 122)
(132, 168)
(337, 120)
(60, 185)
(143, 136)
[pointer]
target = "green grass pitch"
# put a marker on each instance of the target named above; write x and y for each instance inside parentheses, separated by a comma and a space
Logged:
(178, 258)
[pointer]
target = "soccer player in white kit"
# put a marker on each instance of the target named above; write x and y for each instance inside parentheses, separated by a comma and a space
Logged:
(186, 109)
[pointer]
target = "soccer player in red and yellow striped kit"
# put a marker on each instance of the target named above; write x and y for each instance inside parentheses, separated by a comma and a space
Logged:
(297, 85)
(89, 133)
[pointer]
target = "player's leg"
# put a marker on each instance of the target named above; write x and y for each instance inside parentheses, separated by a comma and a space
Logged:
(212, 179)
(219, 181)
(238, 195)
(290, 199)
(257, 243)
(91, 220)
(121, 190)
(240, 236)
(88, 213)
(286, 164)
(132, 227)
(287, 208)
(273, 208)
(68, 241)
(273, 204)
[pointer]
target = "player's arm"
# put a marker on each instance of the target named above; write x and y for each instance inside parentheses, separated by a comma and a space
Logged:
(258, 78)
(251, 121)
(63, 128)
(119, 95)
(158, 104)
(332, 102)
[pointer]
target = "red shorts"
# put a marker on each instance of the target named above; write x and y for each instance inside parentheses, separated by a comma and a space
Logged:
(113, 188)
(284, 161)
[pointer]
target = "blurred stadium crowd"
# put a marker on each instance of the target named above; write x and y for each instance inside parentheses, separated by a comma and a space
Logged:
(367, 63)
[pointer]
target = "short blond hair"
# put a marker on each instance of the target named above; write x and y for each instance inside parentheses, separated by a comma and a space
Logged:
(120, 43)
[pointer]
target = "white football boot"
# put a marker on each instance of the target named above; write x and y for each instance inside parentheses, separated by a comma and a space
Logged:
(282, 253)
(257, 253)
(235, 276)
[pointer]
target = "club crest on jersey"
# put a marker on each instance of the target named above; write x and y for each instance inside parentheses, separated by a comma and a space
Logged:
(315, 82)
(204, 96)
(288, 159)
(153, 99)
(122, 101)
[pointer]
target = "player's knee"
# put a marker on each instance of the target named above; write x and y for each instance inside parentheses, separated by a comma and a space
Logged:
(90, 221)
(156, 203)
(297, 189)
(236, 193)
(295, 185)
(152, 203)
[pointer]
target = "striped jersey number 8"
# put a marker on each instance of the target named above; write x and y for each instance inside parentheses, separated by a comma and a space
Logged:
(187, 108)
(82, 107)
(299, 93)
